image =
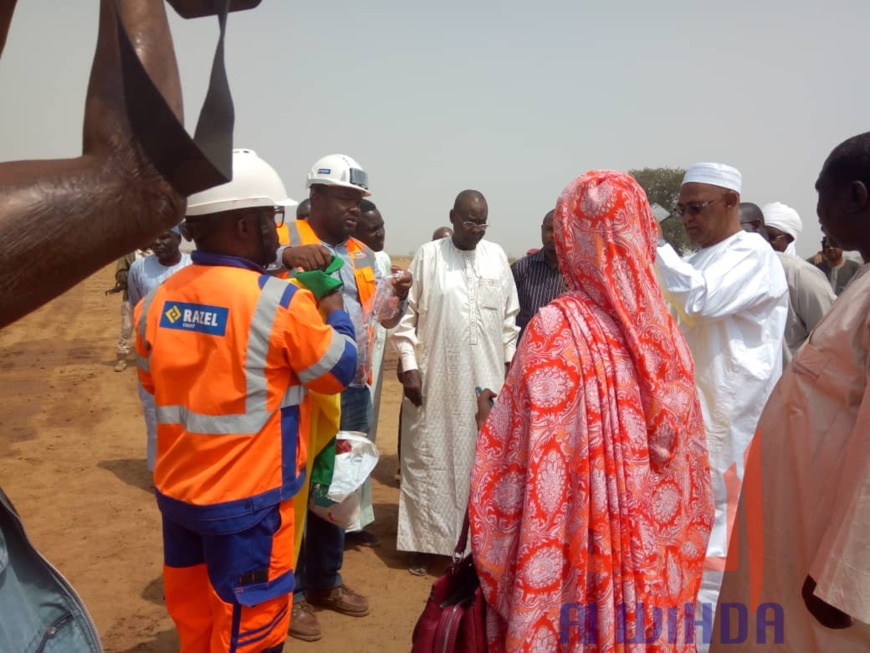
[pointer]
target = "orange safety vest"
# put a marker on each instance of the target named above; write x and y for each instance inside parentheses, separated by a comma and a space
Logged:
(228, 353)
(299, 232)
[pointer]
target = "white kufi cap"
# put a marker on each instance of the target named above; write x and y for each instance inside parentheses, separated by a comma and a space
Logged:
(786, 219)
(715, 174)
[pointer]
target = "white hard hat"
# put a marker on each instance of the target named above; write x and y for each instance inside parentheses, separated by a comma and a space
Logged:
(254, 183)
(338, 170)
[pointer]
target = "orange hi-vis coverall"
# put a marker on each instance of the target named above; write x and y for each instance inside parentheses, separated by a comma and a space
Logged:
(228, 353)
(297, 233)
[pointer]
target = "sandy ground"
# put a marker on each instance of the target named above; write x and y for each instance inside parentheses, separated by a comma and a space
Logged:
(72, 458)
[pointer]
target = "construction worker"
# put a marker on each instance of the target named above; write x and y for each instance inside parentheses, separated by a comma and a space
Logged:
(337, 185)
(228, 352)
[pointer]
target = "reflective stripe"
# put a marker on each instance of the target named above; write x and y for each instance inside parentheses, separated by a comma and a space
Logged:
(250, 423)
(367, 260)
(294, 396)
(258, 344)
(143, 316)
(244, 424)
(294, 238)
(145, 363)
(329, 359)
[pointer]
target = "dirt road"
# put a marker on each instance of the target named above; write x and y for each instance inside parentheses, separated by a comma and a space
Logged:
(72, 458)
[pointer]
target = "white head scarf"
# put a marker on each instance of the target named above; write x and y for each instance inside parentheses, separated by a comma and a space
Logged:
(786, 219)
(715, 174)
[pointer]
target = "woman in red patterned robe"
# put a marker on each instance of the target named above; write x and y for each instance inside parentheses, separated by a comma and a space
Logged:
(591, 503)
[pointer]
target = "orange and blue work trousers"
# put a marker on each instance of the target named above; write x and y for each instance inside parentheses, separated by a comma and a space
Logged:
(230, 592)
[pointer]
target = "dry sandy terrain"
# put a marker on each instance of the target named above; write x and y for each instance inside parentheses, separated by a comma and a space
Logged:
(72, 458)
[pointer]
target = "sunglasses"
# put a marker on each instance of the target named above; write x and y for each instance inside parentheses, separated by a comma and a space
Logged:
(694, 208)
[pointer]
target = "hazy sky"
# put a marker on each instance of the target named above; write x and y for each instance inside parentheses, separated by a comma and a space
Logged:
(512, 98)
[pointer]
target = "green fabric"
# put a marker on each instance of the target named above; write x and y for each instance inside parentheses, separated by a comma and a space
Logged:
(321, 282)
(321, 475)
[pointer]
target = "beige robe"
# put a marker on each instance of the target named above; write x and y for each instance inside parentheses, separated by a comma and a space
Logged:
(805, 506)
(809, 298)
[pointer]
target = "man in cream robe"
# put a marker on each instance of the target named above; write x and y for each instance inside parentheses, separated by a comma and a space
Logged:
(731, 301)
(783, 225)
(809, 294)
(459, 333)
(801, 535)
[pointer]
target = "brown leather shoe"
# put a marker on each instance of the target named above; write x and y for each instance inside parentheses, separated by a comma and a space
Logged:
(363, 538)
(303, 623)
(341, 599)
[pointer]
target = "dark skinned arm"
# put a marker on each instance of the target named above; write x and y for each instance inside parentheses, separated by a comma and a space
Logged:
(110, 200)
(824, 613)
(402, 286)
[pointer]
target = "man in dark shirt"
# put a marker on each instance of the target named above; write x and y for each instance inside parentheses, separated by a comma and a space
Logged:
(837, 268)
(537, 276)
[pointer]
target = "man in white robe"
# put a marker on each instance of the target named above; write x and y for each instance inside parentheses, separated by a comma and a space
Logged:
(802, 530)
(459, 333)
(783, 226)
(731, 301)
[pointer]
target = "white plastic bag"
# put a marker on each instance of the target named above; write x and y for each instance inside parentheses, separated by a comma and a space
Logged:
(343, 514)
(355, 459)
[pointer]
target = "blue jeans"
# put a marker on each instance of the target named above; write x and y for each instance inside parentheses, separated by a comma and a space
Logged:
(322, 552)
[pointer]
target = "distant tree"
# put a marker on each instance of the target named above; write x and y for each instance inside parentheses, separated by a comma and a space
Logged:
(662, 187)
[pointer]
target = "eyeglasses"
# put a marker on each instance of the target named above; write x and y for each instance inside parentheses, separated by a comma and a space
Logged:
(468, 224)
(276, 213)
(694, 208)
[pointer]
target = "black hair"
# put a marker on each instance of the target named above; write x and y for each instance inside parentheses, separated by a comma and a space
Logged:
(304, 205)
(850, 161)
(367, 206)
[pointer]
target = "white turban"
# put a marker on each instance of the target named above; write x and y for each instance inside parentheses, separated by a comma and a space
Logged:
(786, 219)
(715, 174)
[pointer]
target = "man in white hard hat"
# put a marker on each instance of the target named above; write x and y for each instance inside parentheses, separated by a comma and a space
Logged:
(337, 185)
(731, 301)
(228, 352)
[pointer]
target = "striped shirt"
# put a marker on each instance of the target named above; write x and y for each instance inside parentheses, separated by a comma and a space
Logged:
(537, 285)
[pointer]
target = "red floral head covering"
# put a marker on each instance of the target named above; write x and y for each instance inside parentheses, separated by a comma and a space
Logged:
(606, 244)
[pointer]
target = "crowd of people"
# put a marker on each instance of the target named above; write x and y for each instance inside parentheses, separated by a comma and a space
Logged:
(629, 383)
(665, 453)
